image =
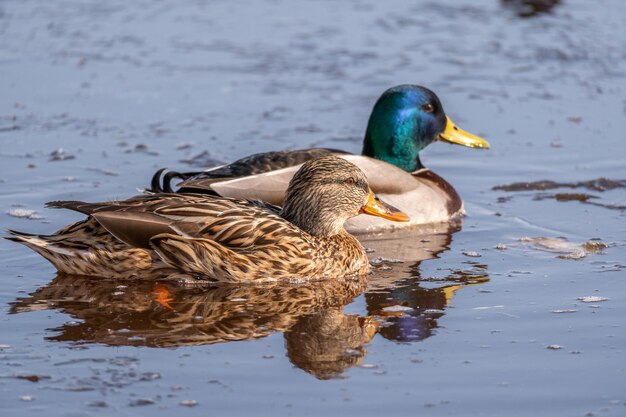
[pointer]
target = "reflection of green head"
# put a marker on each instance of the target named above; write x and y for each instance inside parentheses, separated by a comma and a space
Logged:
(405, 120)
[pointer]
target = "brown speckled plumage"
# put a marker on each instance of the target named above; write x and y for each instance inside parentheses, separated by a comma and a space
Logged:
(222, 239)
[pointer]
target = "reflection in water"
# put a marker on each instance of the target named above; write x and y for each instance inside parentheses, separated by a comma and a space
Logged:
(323, 340)
(414, 245)
(327, 343)
(144, 313)
(408, 303)
(410, 307)
(319, 337)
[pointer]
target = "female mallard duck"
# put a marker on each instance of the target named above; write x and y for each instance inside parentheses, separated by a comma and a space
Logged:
(404, 120)
(221, 238)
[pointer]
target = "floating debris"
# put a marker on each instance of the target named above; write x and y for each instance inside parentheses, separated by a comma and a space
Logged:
(571, 310)
(184, 145)
(142, 148)
(580, 197)
(150, 376)
(566, 249)
(397, 308)
(103, 171)
(574, 197)
(97, 404)
(60, 155)
(9, 128)
(600, 184)
(554, 347)
(578, 254)
(556, 143)
(26, 398)
(32, 377)
(531, 8)
(472, 254)
(203, 159)
(139, 402)
(380, 260)
(22, 213)
(592, 299)
(594, 245)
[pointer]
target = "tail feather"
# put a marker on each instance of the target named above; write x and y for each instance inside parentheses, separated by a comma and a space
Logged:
(40, 244)
(23, 237)
(18, 236)
(162, 180)
(117, 260)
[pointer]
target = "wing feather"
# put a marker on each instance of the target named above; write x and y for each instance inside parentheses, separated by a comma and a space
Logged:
(236, 224)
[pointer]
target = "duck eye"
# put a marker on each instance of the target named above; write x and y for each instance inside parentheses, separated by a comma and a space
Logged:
(350, 181)
(428, 108)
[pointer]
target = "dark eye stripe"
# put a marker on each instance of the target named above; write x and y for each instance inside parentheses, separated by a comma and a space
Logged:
(359, 183)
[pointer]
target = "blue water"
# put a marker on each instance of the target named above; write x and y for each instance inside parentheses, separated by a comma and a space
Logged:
(126, 88)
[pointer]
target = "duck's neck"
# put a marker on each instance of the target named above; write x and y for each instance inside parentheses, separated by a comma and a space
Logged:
(397, 140)
(408, 160)
(323, 222)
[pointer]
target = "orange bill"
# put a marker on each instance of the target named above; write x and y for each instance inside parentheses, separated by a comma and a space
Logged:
(377, 207)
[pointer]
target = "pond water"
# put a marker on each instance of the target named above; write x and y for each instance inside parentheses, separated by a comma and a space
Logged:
(518, 311)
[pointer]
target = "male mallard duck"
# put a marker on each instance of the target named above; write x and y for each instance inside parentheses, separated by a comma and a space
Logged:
(404, 120)
(221, 238)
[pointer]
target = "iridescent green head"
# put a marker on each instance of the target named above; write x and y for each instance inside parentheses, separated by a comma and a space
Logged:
(405, 120)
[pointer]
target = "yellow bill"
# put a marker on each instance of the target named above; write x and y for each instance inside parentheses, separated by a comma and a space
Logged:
(377, 207)
(453, 134)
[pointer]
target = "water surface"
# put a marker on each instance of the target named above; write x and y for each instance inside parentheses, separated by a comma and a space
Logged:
(518, 311)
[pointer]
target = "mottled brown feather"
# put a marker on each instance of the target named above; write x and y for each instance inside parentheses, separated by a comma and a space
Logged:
(219, 238)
